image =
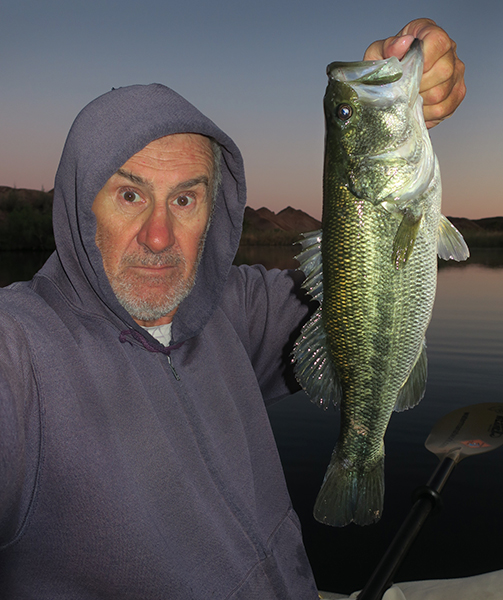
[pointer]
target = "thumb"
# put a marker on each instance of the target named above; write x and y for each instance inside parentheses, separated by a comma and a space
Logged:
(392, 46)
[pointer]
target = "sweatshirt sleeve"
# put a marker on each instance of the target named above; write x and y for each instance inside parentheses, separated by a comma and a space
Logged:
(19, 420)
(271, 309)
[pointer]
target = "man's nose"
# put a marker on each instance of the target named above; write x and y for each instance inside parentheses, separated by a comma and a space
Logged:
(157, 231)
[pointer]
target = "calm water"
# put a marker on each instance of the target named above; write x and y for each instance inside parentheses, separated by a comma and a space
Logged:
(465, 350)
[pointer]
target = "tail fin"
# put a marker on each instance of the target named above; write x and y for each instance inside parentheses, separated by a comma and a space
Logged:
(351, 495)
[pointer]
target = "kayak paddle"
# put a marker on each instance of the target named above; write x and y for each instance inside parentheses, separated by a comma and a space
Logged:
(467, 431)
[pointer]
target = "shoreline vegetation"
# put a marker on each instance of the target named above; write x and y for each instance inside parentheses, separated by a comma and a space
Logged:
(26, 224)
(25, 219)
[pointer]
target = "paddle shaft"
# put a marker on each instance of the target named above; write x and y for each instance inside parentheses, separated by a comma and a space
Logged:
(427, 498)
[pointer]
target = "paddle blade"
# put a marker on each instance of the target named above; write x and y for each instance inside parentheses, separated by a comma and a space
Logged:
(467, 431)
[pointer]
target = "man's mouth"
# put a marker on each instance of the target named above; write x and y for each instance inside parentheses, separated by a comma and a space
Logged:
(152, 269)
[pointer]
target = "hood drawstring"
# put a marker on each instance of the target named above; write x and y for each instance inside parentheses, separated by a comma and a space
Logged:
(166, 350)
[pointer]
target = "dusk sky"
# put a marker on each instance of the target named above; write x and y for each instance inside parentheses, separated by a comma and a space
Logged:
(256, 68)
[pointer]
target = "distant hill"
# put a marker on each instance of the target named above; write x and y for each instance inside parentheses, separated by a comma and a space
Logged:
(480, 233)
(25, 196)
(26, 223)
(288, 219)
(264, 227)
(25, 219)
(488, 224)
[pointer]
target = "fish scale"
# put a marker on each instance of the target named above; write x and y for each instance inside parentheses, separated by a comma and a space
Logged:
(382, 229)
(375, 318)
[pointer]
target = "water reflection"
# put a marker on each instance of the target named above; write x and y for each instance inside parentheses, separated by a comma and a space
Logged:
(272, 257)
(465, 358)
(282, 257)
(487, 257)
(20, 266)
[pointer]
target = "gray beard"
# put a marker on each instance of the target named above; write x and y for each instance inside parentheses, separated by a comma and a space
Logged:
(151, 309)
(144, 309)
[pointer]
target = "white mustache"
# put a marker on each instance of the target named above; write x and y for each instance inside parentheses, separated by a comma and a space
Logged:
(166, 258)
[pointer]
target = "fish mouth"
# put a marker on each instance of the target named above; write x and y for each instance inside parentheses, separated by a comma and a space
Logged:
(373, 80)
(376, 72)
(370, 72)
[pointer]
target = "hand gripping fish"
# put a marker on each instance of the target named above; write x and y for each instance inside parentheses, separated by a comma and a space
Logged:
(373, 270)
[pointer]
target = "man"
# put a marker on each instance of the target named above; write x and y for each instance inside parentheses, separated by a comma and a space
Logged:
(132, 468)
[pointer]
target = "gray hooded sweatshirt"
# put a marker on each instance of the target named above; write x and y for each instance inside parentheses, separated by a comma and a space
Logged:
(119, 480)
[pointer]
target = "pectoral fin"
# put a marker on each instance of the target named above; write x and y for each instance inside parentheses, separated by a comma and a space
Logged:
(405, 238)
(451, 245)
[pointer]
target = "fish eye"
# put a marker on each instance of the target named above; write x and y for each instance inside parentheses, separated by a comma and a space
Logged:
(344, 112)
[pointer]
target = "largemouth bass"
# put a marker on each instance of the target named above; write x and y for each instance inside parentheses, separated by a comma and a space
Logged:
(373, 270)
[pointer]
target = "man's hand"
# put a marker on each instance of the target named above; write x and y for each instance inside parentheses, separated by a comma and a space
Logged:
(442, 85)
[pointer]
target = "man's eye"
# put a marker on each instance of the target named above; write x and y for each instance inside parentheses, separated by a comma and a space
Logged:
(183, 200)
(130, 196)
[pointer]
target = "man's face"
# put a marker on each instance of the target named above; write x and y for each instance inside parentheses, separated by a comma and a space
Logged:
(152, 215)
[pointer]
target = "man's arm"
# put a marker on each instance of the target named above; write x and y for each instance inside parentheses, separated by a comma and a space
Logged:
(442, 85)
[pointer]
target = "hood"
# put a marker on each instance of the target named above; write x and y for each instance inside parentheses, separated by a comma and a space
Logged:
(105, 134)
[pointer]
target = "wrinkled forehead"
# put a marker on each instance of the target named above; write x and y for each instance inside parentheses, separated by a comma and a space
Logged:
(195, 140)
(175, 150)
(189, 157)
